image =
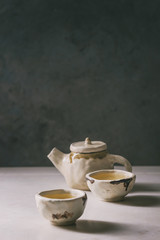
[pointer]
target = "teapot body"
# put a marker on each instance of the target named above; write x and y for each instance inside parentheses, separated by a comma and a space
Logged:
(78, 165)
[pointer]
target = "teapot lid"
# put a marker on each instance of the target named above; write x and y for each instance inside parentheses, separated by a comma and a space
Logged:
(88, 146)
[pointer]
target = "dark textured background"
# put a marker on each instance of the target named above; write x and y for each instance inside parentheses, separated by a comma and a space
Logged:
(71, 69)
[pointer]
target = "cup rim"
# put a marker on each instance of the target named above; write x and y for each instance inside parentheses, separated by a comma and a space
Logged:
(129, 175)
(80, 194)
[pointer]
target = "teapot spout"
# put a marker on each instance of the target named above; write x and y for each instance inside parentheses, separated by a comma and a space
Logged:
(56, 157)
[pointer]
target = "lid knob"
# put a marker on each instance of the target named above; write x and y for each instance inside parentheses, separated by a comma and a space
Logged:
(88, 141)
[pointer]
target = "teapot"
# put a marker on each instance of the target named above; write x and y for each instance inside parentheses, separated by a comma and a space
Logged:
(85, 156)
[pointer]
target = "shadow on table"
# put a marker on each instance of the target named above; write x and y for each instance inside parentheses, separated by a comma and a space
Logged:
(141, 201)
(146, 187)
(93, 226)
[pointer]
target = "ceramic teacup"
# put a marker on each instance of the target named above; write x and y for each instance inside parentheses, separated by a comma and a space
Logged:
(110, 185)
(61, 206)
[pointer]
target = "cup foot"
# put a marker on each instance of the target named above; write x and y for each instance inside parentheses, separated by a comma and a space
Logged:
(117, 199)
(63, 223)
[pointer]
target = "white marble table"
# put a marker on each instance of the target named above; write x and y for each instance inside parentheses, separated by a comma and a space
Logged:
(137, 217)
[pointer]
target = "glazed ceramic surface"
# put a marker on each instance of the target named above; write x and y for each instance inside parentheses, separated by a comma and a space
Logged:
(85, 157)
(110, 185)
(60, 206)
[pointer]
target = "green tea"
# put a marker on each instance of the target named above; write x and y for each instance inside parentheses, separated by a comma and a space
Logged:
(58, 195)
(108, 176)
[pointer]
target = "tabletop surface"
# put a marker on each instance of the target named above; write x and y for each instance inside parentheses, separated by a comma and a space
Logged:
(137, 217)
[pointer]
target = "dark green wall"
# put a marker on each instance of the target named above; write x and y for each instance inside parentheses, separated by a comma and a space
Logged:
(71, 69)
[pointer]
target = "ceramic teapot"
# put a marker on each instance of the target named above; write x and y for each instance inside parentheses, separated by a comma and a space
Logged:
(85, 156)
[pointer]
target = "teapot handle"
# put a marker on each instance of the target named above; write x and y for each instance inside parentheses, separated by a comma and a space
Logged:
(121, 160)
